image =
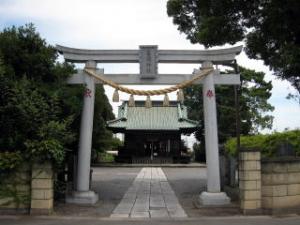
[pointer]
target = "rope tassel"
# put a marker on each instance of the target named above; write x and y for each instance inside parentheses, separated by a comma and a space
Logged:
(131, 102)
(166, 100)
(116, 96)
(180, 96)
(148, 103)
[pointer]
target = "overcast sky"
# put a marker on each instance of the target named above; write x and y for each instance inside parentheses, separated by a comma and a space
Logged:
(126, 24)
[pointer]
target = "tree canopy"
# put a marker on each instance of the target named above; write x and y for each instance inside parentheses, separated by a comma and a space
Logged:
(254, 107)
(271, 29)
(40, 113)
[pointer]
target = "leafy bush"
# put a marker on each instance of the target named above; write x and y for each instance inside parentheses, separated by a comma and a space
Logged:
(115, 143)
(9, 160)
(199, 151)
(105, 157)
(254, 141)
(274, 141)
(268, 144)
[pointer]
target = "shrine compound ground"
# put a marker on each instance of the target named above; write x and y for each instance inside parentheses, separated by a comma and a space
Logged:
(153, 196)
(145, 192)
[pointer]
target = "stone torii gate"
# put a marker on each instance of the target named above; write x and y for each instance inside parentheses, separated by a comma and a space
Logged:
(148, 57)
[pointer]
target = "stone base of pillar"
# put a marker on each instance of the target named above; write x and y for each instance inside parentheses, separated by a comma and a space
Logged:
(210, 198)
(82, 198)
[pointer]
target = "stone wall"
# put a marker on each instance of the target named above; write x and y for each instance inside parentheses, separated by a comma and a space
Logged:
(29, 189)
(268, 186)
(250, 182)
(15, 191)
(281, 185)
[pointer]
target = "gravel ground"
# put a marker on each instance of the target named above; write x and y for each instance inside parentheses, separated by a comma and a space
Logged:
(188, 183)
(111, 184)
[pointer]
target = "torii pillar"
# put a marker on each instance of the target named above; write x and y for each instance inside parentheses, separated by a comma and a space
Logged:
(82, 193)
(213, 195)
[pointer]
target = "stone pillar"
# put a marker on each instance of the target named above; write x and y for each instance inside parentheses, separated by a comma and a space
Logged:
(250, 181)
(41, 188)
(213, 196)
(83, 194)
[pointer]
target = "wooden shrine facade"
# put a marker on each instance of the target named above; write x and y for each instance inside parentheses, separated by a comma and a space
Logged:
(152, 135)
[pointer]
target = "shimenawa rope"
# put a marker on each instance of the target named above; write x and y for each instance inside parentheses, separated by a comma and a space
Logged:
(181, 85)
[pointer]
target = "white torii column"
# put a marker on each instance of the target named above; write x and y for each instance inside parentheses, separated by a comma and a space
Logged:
(83, 194)
(213, 195)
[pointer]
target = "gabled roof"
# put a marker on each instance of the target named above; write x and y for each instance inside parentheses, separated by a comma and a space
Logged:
(158, 117)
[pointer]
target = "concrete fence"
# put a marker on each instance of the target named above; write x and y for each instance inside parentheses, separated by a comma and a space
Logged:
(281, 185)
(269, 186)
(29, 189)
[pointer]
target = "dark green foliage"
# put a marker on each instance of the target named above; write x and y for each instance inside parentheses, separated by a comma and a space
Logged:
(32, 120)
(268, 144)
(39, 112)
(9, 160)
(254, 107)
(104, 157)
(14, 181)
(270, 29)
(199, 151)
(25, 53)
(251, 141)
(107, 144)
(116, 143)
(102, 137)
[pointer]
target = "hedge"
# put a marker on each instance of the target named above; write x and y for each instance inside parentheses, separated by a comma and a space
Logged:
(268, 143)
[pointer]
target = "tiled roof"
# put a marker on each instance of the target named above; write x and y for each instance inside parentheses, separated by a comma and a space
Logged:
(154, 118)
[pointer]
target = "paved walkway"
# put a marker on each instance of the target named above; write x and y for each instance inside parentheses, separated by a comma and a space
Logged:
(150, 196)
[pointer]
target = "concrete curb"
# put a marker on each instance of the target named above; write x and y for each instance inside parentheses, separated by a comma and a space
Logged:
(203, 218)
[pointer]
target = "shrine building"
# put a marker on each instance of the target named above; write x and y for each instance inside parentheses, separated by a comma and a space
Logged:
(152, 134)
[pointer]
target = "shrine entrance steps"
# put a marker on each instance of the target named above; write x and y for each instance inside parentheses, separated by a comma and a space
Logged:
(148, 160)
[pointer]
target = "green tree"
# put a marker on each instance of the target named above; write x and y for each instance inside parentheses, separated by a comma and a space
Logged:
(270, 29)
(102, 137)
(254, 106)
(40, 113)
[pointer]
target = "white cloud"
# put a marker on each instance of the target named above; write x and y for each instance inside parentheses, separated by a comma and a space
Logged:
(101, 24)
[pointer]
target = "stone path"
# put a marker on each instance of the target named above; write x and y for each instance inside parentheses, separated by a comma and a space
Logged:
(150, 196)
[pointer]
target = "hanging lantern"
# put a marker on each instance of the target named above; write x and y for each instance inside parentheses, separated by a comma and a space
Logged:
(131, 102)
(180, 96)
(148, 103)
(116, 96)
(166, 101)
